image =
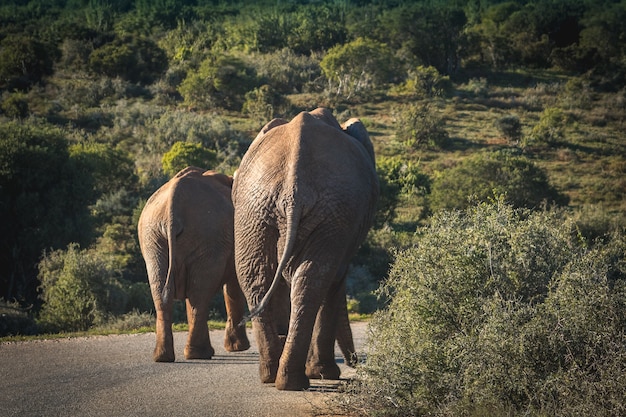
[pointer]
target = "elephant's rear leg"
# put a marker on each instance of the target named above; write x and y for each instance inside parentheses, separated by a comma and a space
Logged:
(198, 344)
(321, 359)
(164, 349)
(235, 337)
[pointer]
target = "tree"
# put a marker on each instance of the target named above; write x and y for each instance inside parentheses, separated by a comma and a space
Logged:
(43, 201)
(432, 33)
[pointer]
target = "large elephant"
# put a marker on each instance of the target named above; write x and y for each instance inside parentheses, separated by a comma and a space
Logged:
(304, 197)
(186, 238)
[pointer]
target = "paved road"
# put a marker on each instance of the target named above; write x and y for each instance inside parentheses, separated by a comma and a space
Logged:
(115, 376)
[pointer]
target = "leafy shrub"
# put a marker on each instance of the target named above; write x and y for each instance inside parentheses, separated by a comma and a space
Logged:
(510, 127)
(262, 104)
(357, 68)
(15, 106)
(132, 58)
(397, 177)
(498, 311)
(79, 289)
(550, 130)
(487, 175)
(221, 81)
(184, 154)
(425, 82)
(420, 124)
(286, 71)
(15, 320)
(24, 61)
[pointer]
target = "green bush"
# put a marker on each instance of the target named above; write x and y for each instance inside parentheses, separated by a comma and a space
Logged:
(221, 80)
(132, 58)
(184, 154)
(397, 178)
(262, 104)
(550, 130)
(286, 71)
(357, 68)
(420, 124)
(424, 83)
(79, 289)
(482, 176)
(510, 127)
(24, 61)
(15, 106)
(498, 311)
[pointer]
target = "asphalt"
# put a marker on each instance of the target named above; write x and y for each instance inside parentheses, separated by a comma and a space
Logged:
(115, 376)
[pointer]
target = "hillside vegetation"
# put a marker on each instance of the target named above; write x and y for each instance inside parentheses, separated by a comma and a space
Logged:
(518, 104)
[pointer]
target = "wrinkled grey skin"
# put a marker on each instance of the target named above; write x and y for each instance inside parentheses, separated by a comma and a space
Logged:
(186, 238)
(304, 198)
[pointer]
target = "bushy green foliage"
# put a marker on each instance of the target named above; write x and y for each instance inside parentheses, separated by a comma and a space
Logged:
(184, 154)
(424, 83)
(358, 67)
(220, 80)
(484, 176)
(397, 177)
(421, 124)
(14, 106)
(286, 71)
(262, 104)
(24, 60)
(550, 130)
(498, 311)
(43, 201)
(510, 127)
(132, 58)
(79, 289)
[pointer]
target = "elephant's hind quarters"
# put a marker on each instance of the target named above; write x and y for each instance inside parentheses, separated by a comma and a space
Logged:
(310, 162)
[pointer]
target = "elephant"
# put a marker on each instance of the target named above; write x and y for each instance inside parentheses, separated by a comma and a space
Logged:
(186, 239)
(304, 197)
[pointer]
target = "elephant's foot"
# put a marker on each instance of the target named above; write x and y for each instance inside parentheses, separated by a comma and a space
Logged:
(199, 352)
(267, 372)
(292, 382)
(163, 355)
(323, 371)
(236, 340)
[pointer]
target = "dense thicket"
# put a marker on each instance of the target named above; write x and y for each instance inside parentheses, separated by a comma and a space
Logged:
(499, 311)
(101, 101)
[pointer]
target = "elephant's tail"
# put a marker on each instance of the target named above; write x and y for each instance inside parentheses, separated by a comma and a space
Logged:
(293, 218)
(171, 230)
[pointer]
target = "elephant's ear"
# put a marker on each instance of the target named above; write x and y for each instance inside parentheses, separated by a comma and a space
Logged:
(269, 126)
(356, 129)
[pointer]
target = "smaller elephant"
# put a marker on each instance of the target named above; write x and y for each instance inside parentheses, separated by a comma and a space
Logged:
(186, 238)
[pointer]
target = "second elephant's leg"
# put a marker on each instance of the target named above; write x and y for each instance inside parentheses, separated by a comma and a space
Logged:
(164, 349)
(235, 337)
(198, 344)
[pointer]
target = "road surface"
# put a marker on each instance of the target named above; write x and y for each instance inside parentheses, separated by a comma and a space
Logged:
(115, 376)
